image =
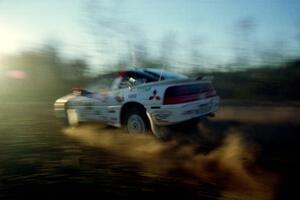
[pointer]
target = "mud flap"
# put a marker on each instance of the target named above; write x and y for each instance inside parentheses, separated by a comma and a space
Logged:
(161, 132)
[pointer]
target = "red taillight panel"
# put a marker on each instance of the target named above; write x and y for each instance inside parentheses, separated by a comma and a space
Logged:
(211, 93)
(181, 99)
(188, 93)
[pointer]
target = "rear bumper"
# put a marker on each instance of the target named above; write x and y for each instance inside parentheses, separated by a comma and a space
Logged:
(172, 114)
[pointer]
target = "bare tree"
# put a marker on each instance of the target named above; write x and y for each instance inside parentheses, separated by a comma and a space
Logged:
(275, 54)
(167, 48)
(196, 55)
(137, 45)
(298, 39)
(115, 39)
(105, 28)
(244, 41)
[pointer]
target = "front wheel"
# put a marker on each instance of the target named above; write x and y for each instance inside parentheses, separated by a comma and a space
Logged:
(72, 117)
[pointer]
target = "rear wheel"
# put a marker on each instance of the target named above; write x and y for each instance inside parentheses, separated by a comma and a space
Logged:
(136, 121)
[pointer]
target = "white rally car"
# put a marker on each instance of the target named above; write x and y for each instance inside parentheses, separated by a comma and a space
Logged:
(139, 100)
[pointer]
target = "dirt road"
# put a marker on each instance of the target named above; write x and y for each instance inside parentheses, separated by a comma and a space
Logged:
(245, 152)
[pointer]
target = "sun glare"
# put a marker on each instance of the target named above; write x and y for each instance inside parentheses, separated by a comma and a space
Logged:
(10, 39)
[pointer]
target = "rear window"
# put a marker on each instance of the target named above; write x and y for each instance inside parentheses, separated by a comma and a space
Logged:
(165, 75)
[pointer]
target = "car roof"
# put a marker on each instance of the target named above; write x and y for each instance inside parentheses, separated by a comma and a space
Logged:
(165, 74)
(149, 74)
(155, 74)
(140, 74)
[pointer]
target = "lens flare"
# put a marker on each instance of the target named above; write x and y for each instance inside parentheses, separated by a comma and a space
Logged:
(16, 74)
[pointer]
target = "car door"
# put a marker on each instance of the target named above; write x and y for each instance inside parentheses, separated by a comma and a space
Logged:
(106, 100)
(115, 100)
(96, 107)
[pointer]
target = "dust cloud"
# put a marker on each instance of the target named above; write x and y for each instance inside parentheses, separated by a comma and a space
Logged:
(231, 165)
(279, 114)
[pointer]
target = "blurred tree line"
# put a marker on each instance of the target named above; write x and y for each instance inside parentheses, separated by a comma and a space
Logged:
(45, 75)
(255, 72)
(268, 83)
(49, 76)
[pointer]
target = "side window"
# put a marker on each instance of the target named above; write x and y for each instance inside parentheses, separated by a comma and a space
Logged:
(101, 85)
(124, 83)
(138, 81)
(116, 83)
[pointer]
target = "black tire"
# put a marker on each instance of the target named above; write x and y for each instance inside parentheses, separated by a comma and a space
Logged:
(70, 115)
(136, 121)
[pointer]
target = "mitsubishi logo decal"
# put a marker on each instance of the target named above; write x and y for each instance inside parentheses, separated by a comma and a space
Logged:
(154, 96)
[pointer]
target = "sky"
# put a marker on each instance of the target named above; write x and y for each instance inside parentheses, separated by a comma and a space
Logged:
(26, 24)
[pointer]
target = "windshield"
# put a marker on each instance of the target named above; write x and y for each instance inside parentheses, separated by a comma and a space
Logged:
(100, 85)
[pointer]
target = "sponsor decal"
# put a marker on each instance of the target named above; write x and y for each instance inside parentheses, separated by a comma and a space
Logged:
(132, 96)
(144, 89)
(154, 96)
(162, 115)
(104, 97)
(104, 100)
(201, 109)
(112, 111)
(119, 98)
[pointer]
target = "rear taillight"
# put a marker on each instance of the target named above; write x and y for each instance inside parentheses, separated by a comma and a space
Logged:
(188, 93)
(211, 93)
(180, 99)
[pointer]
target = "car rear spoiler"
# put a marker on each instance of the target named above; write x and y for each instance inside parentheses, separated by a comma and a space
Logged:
(205, 78)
